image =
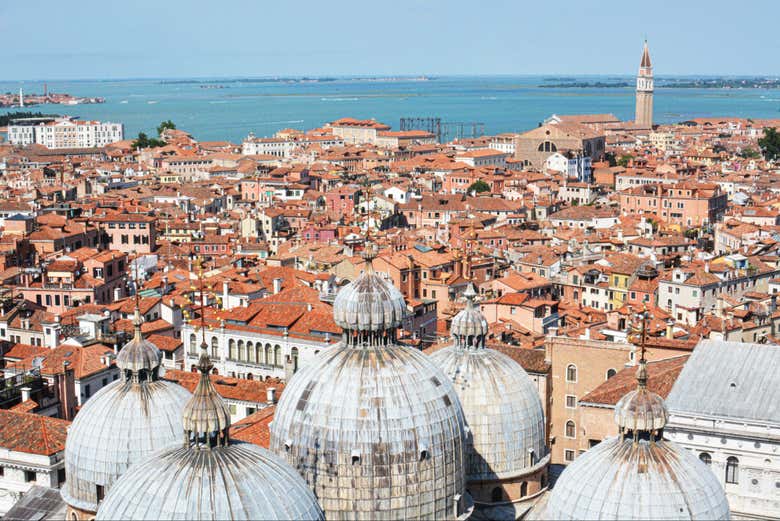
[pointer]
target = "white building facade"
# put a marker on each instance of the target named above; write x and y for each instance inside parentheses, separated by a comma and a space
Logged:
(67, 133)
(255, 353)
(725, 407)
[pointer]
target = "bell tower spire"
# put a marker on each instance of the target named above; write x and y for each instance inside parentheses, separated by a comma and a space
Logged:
(644, 91)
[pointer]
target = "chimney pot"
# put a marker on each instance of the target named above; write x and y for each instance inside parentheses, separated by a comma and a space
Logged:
(270, 395)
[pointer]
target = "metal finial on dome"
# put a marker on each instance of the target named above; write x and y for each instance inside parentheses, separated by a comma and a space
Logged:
(139, 360)
(641, 413)
(206, 417)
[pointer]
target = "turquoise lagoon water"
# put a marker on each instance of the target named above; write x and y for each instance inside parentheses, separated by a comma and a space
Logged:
(503, 104)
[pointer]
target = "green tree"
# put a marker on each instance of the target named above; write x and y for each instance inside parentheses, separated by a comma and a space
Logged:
(770, 144)
(624, 160)
(610, 157)
(170, 125)
(479, 187)
(750, 153)
(144, 141)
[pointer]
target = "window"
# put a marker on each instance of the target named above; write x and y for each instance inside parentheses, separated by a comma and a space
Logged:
(193, 348)
(571, 373)
(732, 470)
(611, 373)
(568, 455)
(705, 458)
(29, 475)
(571, 429)
(100, 492)
(524, 489)
(571, 401)
(214, 347)
(497, 495)
(61, 475)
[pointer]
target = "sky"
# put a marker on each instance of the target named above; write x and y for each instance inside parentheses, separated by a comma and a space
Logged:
(100, 39)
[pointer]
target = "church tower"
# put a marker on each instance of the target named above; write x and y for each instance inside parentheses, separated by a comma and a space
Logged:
(644, 92)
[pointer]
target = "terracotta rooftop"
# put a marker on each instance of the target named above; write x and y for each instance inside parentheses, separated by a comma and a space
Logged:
(32, 433)
(661, 377)
(255, 428)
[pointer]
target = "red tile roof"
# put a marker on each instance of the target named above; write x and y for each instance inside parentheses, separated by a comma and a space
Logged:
(255, 428)
(32, 433)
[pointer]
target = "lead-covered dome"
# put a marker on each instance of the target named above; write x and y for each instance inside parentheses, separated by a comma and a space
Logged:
(370, 302)
(210, 477)
(376, 431)
(503, 411)
(241, 481)
(638, 474)
(374, 427)
(120, 425)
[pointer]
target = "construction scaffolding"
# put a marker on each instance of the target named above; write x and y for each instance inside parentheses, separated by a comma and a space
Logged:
(444, 131)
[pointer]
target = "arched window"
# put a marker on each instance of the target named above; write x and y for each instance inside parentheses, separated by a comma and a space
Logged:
(214, 347)
(611, 373)
(193, 344)
(732, 470)
(571, 430)
(294, 356)
(571, 373)
(547, 146)
(259, 353)
(497, 495)
(232, 349)
(268, 359)
(241, 352)
(705, 458)
(524, 489)
(250, 352)
(278, 356)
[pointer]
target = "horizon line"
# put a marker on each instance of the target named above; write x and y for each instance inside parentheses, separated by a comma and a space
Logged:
(430, 76)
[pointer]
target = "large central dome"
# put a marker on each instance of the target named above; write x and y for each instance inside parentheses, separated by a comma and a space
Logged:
(375, 429)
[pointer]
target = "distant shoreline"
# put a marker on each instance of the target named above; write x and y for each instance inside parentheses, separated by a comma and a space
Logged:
(704, 83)
(303, 79)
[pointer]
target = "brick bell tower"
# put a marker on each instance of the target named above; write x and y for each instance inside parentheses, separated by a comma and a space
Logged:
(644, 92)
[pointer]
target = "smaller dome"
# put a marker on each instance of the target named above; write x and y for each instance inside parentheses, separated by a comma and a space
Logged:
(139, 354)
(210, 477)
(469, 322)
(369, 303)
(641, 410)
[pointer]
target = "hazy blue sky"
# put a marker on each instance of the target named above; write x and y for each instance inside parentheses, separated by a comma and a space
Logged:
(48, 39)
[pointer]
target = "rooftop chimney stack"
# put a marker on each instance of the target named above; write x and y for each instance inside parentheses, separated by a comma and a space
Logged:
(270, 395)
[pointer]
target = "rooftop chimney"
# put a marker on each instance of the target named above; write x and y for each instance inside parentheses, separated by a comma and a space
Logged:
(270, 395)
(277, 285)
(25, 393)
